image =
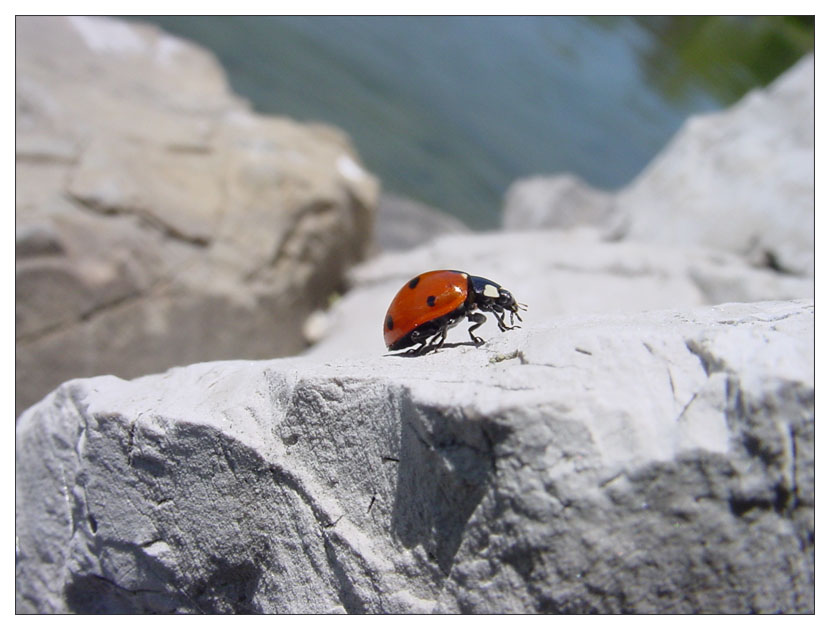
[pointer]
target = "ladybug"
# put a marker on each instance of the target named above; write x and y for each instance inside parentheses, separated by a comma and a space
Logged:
(431, 303)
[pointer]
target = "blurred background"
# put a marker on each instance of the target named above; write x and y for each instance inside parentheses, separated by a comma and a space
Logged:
(449, 111)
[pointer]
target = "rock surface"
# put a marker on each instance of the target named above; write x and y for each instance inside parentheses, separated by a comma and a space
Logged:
(159, 221)
(740, 181)
(651, 462)
(556, 272)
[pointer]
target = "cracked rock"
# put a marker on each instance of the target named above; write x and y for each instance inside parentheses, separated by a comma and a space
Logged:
(657, 462)
(159, 220)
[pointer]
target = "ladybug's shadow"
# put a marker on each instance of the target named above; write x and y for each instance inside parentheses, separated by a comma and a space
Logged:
(411, 354)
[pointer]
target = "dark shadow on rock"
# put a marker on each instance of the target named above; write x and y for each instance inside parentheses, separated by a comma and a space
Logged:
(412, 353)
(350, 599)
(230, 588)
(152, 587)
(446, 465)
(96, 595)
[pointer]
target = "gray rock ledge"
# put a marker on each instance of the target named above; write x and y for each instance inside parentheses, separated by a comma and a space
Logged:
(652, 462)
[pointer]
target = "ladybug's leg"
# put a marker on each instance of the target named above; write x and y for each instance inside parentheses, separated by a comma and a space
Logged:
(502, 325)
(479, 319)
(515, 313)
(436, 342)
(499, 313)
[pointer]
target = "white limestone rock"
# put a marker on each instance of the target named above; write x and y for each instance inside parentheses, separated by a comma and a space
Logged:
(651, 462)
(738, 181)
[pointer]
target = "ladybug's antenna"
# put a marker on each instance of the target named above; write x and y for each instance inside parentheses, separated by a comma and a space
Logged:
(515, 312)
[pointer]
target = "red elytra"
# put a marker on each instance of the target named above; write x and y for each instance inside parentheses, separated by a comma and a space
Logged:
(435, 301)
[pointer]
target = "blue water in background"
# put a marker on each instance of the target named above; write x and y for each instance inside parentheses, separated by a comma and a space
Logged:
(451, 110)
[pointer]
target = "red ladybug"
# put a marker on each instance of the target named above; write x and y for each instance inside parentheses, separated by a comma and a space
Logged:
(433, 302)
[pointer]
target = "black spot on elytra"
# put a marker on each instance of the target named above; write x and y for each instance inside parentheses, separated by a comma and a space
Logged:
(431, 300)
(389, 323)
(414, 282)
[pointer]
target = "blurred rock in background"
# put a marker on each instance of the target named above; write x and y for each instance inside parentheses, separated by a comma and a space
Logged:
(160, 221)
(405, 223)
(554, 201)
(739, 181)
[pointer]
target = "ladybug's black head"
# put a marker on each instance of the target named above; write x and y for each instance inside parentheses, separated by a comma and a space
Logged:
(509, 303)
(489, 296)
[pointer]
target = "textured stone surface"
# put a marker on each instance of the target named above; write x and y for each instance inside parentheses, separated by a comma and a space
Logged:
(159, 221)
(652, 462)
(740, 181)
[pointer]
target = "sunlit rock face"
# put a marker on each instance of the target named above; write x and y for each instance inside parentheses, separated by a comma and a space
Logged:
(653, 462)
